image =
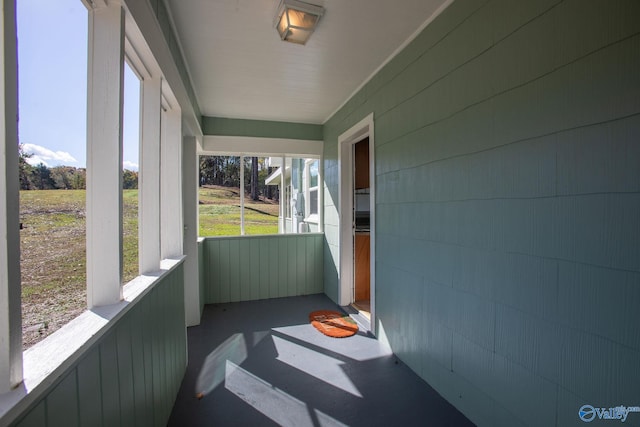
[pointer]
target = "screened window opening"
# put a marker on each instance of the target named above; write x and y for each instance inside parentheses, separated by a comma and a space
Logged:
(258, 195)
(52, 169)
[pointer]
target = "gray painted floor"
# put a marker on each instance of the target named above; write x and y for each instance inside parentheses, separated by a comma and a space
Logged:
(261, 363)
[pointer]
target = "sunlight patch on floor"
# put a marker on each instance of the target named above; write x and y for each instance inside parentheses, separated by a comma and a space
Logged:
(272, 402)
(359, 347)
(325, 368)
(213, 369)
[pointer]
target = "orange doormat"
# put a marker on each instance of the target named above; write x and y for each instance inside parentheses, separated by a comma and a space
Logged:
(333, 323)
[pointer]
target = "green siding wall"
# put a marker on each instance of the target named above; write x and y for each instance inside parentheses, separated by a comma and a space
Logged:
(507, 140)
(260, 267)
(260, 128)
(131, 376)
(201, 274)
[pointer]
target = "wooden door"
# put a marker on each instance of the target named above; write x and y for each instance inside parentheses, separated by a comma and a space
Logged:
(362, 271)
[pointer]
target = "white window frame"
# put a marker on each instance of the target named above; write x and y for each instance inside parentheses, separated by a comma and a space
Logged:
(287, 199)
(286, 188)
(311, 217)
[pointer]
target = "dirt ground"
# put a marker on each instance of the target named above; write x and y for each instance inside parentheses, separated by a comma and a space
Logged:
(53, 257)
(52, 263)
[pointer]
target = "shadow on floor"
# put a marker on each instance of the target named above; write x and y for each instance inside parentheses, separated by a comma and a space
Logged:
(261, 363)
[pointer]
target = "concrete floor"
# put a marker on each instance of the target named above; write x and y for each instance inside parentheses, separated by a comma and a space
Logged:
(261, 363)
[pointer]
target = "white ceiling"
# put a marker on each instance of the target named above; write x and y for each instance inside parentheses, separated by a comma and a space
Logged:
(241, 69)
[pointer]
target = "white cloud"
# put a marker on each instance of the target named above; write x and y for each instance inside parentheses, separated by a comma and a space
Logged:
(42, 154)
(36, 160)
(130, 165)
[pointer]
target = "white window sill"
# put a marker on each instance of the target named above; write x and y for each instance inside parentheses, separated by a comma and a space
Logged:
(46, 361)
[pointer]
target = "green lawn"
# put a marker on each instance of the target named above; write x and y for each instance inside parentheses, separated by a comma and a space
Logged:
(220, 213)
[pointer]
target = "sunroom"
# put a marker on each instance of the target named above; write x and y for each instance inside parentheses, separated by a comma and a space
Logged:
(491, 147)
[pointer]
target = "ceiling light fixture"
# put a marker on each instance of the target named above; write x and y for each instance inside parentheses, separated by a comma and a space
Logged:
(296, 20)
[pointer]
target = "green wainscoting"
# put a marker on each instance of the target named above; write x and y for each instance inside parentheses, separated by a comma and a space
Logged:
(131, 375)
(201, 273)
(244, 268)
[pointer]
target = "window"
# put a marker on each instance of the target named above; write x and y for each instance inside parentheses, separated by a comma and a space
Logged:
(284, 195)
(235, 197)
(287, 201)
(219, 196)
(311, 189)
(53, 68)
(75, 268)
(260, 209)
(130, 148)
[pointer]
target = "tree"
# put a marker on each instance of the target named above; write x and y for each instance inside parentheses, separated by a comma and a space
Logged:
(42, 177)
(79, 179)
(254, 178)
(25, 170)
(220, 170)
(129, 179)
(62, 177)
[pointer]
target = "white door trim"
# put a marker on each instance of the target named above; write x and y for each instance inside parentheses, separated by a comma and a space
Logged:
(356, 133)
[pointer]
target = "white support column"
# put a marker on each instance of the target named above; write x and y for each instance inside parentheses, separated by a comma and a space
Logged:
(149, 176)
(10, 309)
(242, 195)
(171, 185)
(321, 194)
(283, 199)
(190, 177)
(104, 154)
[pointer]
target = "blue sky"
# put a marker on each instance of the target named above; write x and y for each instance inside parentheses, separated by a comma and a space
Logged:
(52, 62)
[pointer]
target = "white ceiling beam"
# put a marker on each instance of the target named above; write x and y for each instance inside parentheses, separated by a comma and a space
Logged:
(247, 146)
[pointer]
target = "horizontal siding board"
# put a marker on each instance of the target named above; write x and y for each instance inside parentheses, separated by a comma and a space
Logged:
(589, 300)
(507, 178)
(608, 159)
